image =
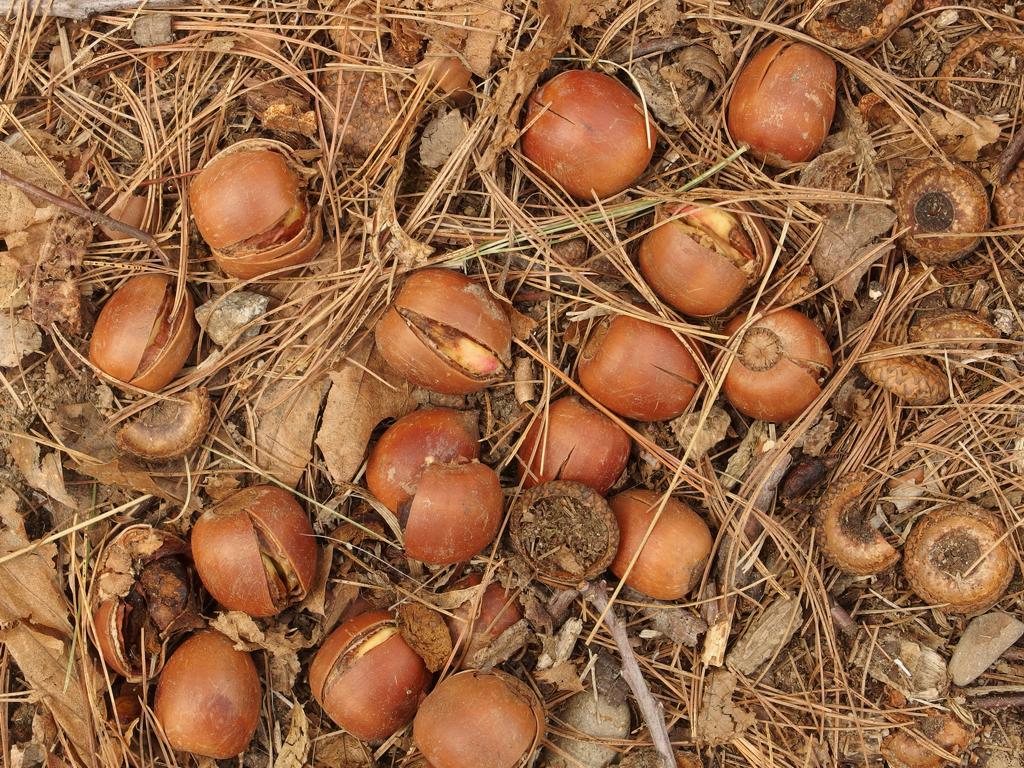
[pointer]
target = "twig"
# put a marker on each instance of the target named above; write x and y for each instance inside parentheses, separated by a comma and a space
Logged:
(1010, 156)
(77, 9)
(86, 213)
(1005, 701)
(648, 47)
(651, 710)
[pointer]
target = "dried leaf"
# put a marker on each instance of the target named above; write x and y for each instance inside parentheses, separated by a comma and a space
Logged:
(689, 429)
(13, 286)
(474, 28)
(426, 633)
(295, 750)
(363, 393)
(19, 337)
(53, 291)
(846, 249)
(963, 137)
(563, 677)
(35, 628)
(340, 750)
(42, 474)
(278, 640)
(720, 719)
(503, 647)
(818, 438)
(913, 669)
(677, 92)
(766, 635)
(17, 210)
(751, 446)
(286, 419)
(441, 137)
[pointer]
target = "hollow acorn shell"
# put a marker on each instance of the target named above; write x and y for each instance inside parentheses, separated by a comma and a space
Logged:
(848, 539)
(455, 513)
(479, 720)
(208, 698)
(940, 559)
(371, 693)
(450, 298)
(638, 370)
(226, 547)
(425, 436)
(575, 442)
(589, 133)
(783, 102)
(126, 325)
(673, 558)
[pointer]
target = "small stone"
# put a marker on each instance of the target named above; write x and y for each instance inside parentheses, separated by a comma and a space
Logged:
(223, 316)
(596, 717)
(984, 641)
(441, 138)
(19, 337)
(152, 29)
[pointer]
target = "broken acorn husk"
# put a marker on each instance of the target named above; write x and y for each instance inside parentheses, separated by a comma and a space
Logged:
(145, 597)
(853, 24)
(169, 428)
(957, 559)
(565, 530)
(849, 539)
(255, 551)
(479, 621)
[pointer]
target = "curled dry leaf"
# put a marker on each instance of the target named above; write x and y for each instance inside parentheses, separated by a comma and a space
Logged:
(963, 137)
(295, 749)
(677, 92)
(847, 247)
(19, 338)
(701, 432)
(363, 393)
(909, 377)
(36, 630)
(282, 645)
(286, 418)
(425, 631)
(44, 474)
(475, 30)
(53, 291)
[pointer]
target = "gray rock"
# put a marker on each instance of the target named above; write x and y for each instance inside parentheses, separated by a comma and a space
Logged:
(598, 717)
(223, 316)
(984, 641)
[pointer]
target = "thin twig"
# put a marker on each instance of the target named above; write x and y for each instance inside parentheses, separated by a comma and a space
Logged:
(1010, 156)
(1005, 701)
(648, 47)
(86, 213)
(651, 710)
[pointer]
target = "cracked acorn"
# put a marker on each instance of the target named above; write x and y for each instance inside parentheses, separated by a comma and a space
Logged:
(780, 362)
(136, 340)
(367, 678)
(782, 103)
(702, 258)
(588, 133)
(253, 234)
(255, 551)
(573, 441)
(446, 333)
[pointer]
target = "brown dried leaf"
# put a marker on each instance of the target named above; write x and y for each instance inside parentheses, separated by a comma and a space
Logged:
(963, 137)
(720, 719)
(295, 750)
(426, 633)
(278, 640)
(704, 436)
(17, 210)
(818, 438)
(286, 418)
(363, 393)
(846, 249)
(35, 628)
(563, 677)
(53, 292)
(340, 750)
(19, 337)
(42, 474)
(474, 28)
